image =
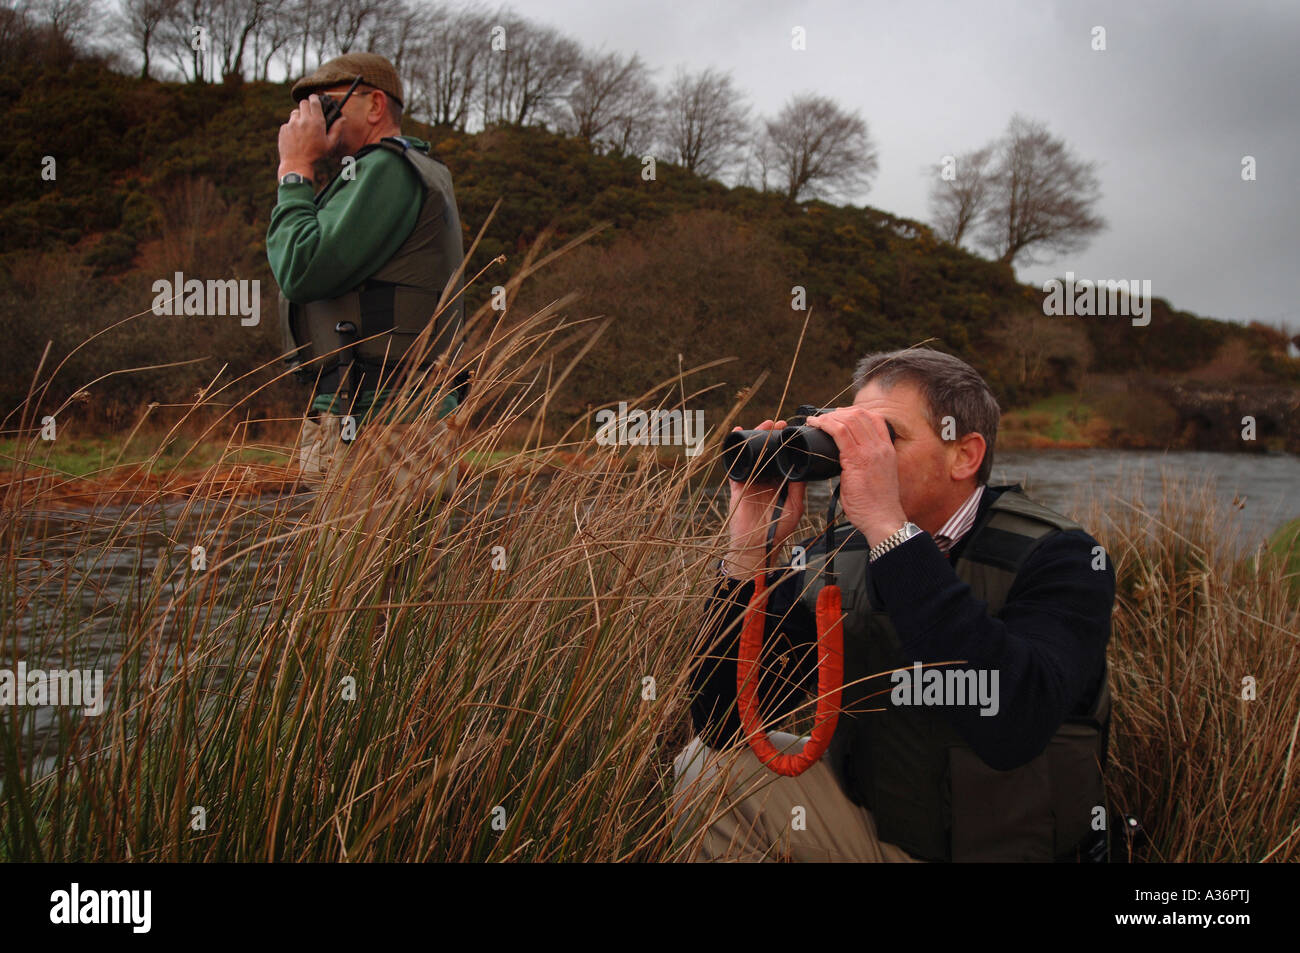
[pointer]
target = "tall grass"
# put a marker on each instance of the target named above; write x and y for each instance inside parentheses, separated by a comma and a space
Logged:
(361, 675)
(1210, 767)
(357, 675)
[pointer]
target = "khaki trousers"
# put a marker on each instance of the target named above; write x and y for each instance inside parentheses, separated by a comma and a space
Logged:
(386, 464)
(749, 813)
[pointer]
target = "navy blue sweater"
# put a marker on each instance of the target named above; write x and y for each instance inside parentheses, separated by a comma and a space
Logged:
(1048, 643)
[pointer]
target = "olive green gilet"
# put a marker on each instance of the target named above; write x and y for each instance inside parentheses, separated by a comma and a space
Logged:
(928, 791)
(401, 298)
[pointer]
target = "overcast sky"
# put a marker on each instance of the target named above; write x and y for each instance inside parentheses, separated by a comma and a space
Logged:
(1183, 91)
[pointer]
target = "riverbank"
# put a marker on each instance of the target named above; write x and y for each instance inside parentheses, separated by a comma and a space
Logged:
(79, 473)
(1060, 422)
(1054, 448)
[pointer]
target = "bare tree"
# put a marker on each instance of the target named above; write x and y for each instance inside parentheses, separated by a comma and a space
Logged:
(186, 35)
(1041, 196)
(306, 32)
(276, 32)
(317, 19)
(636, 127)
(304, 17)
(612, 96)
(16, 30)
(347, 18)
(760, 158)
(211, 38)
(705, 121)
(1036, 353)
(820, 148)
(235, 23)
(139, 21)
(69, 20)
(446, 67)
(533, 71)
(400, 32)
(960, 193)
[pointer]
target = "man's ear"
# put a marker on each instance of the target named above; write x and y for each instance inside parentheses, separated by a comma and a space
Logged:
(378, 106)
(969, 455)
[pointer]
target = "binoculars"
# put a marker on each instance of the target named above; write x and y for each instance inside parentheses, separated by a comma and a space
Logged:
(332, 109)
(798, 453)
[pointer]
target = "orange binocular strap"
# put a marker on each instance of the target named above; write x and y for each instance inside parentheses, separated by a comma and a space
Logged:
(830, 680)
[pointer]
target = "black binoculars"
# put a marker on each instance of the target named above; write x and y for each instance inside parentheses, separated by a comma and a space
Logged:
(332, 109)
(798, 453)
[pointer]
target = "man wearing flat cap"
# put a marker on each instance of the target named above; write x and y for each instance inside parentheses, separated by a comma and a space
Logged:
(363, 264)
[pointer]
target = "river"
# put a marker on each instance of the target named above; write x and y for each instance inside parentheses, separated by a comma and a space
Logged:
(1265, 485)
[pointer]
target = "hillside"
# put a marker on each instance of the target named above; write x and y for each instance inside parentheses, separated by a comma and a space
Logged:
(154, 178)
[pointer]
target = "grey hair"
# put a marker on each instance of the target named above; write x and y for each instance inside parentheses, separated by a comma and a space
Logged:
(950, 386)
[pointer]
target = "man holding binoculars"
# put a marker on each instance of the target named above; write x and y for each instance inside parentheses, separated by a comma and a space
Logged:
(946, 582)
(362, 264)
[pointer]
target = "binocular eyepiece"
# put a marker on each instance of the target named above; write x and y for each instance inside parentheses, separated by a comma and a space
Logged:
(798, 453)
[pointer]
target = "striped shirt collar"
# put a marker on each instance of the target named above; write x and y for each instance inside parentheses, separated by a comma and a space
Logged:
(959, 523)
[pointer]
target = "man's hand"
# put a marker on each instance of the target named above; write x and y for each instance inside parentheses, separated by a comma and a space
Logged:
(750, 517)
(869, 483)
(303, 139)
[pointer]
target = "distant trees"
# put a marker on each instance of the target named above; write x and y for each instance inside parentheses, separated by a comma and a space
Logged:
(140, 21)
(815, 146)
(705, 121)
(278, 31)
(613, 104)
(69, 20)
(529, 69)
(47, 31)
(1036, 355)
(462, 64)
(960, 194)
(442, 54)
(1022, 194)
(16, 30)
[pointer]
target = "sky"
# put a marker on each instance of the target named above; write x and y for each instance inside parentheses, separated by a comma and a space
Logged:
(1183, 91)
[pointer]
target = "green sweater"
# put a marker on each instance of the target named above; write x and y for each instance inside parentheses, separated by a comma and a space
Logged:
(322, 246)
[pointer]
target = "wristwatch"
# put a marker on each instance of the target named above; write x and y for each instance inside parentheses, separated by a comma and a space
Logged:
(901, 535)
(293, 178)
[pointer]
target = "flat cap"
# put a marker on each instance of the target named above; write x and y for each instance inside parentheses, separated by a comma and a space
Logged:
(375, 71)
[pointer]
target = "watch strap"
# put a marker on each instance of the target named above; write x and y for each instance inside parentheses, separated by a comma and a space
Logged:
(894, 539)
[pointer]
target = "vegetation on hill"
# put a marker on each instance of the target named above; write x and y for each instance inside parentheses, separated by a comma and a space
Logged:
(153, 178)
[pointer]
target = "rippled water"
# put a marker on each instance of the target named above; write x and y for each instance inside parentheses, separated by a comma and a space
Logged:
(1268, 485)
